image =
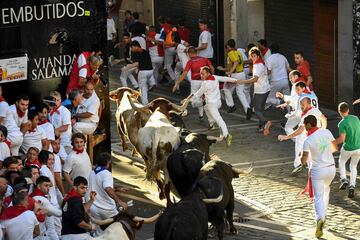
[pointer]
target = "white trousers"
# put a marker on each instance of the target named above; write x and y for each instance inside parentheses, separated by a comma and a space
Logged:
(51, 232)
(229, 89)
(344, 157)
(282, 86)
(16, 139)
(157, 62)
(99, 213)
(84, 128)
(82, 236)
(291, 123)
(299, 143)
(179, 68)
(213, 115)
(170, 53)
(128, 75)
(321, 180)
(143, 77)
(196, 102)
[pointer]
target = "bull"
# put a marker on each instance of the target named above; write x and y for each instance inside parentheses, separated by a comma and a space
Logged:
(122, 226)
(157, 140)
(188, 218)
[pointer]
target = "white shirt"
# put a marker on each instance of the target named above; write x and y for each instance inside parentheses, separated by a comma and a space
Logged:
(21, 227)
(81, 62)
(62, 153)
(57, 163)
(318, 145)
(98, 183)
(110, 25)
(210, 88)
(262, 85)
(90, 105)
(141, 41)
(18, 120)
(182, 55)
(58, 120)
(9, 121)
(78, 165)
(278, 66)
(4, 151)
(33, 139)
(205, 37)
(45, 171)
(49, 131)
(314, 111)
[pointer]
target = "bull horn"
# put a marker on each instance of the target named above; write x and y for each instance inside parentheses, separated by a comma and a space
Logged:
(132, 104)
(185, 104)
(102, 222)
(218, 139)
(215, 200)
(148, 220)
(247, 171)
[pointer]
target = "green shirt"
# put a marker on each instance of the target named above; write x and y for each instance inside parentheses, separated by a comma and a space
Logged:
(350, 125)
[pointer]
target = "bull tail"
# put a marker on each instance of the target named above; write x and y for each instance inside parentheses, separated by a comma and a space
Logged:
(237, 171)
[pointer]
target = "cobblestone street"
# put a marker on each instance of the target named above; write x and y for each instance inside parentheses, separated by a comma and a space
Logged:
(269, 204)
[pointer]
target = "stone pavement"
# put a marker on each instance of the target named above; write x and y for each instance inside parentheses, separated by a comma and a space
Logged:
(268, 202)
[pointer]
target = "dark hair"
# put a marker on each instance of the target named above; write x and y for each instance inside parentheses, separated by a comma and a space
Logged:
(161, 19)
(311, 119)
(176, 37)
(80, 180)
(136, 15)
(295, 72)
(9, 174)
(40, 107)
(26, 172)
(22, 97)
(343, 107)
(44, 156)
(274, 47)
(78, 135)
(206, 68)
(308, 100)
(135, 44)
(73, 93)
(10, 160)
(103, 159)
(95, 48)
(255, 50)
(42, 179)
(300, 84)
(299, 53)
(4, 130)
(263, 42)
(126, 34)
(250, 46)
(168, 20)
(203, 21)
(192, 50)
(231, 43)
(19, 198)
(20, 180)
(32, 113)
(128, 11)
(152, 27)
(33, 148)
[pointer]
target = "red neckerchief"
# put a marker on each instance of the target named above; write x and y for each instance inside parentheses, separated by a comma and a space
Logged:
(206, 29)
(2, 99)
(139, 50)
(307, 91)
(55, 110)
(263, 52)
(259, 60)
(306, 111)
(78, 151)
(71, 194)
(39, 214)
(311, 131)
(13, 212)
(210, 77)
(7, 142)
(33, 163)
(37, 192)
(43, 122)
(20, 113)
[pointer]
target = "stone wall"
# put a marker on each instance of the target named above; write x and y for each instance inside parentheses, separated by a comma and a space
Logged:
(356, 46)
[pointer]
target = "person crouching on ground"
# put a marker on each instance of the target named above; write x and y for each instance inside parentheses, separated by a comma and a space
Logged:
(210, 88)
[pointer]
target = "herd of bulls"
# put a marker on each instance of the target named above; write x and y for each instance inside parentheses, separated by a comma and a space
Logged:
(158, 135)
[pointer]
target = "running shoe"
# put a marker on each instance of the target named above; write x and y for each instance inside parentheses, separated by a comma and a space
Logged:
(351, 192)
(319, 228)
(212, 126)
(248, 114)
(297, 169)
(267, 128)
(231, 109)
(343, 184)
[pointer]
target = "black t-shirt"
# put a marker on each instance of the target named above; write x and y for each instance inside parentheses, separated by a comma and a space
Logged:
(73, 213)
(137, 28)
(127, 53)
(143, 58)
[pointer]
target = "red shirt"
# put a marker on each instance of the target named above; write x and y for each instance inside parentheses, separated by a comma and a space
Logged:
(195, 64)
(74, 75)
(304, 69)
(184, 34)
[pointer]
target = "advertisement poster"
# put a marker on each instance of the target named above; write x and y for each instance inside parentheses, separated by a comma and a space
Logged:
(13, 69)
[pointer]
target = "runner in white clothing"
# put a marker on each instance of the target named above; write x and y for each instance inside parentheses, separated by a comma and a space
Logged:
(20, 110)
(320, 144)
(210, 89)
(205, 48)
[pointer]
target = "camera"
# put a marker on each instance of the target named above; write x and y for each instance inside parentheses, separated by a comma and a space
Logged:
(103, 78)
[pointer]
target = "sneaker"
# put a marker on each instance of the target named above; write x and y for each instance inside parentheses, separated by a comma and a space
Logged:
(248, 114)
(260, 129)
(212, 126)
(319, 228)
(231, 109)
(267, 128)
(228, 140)
(343, 184)
(351, 192)
(297, 169)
